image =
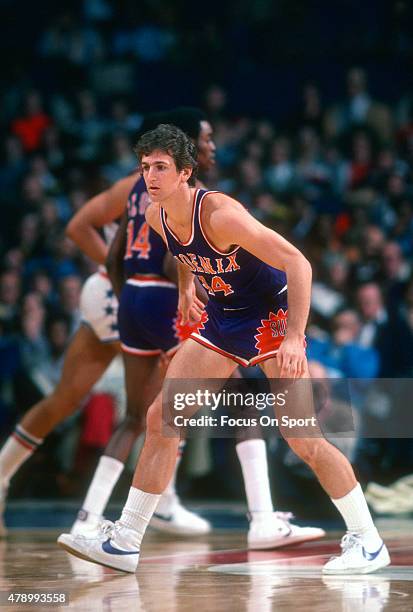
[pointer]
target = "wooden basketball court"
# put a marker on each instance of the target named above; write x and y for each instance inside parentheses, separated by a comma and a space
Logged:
(212, 573)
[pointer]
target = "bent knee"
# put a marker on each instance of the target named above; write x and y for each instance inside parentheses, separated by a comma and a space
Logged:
(154, 419)
(308, 449)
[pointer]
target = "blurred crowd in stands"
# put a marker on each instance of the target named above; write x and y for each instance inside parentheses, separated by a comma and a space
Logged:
(334, 175)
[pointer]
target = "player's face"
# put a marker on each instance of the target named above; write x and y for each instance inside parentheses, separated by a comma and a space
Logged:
(161, 176)
(206, 147)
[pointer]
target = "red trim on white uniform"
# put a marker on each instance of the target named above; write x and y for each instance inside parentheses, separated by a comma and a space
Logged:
(31, 447)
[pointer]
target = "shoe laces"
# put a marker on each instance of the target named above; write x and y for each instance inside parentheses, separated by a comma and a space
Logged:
(107, 528)
(286, 517)
(103, 530)
(110, 529)
(349, 542)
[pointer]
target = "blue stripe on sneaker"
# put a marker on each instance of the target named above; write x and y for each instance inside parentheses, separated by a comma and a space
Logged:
(108, 548)
(163, 517)
(373, 555)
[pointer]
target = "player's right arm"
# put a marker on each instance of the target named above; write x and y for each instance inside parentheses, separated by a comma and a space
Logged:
(97, 212)
(189, 305)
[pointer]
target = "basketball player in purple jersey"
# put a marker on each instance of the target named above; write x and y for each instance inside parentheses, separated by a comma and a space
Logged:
(245, 267)
(149, 326)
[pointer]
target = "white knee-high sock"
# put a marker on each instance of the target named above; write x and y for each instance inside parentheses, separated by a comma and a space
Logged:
(252, 455)
(16, 450)
(138, 510)
(356, 514)
(104, 479)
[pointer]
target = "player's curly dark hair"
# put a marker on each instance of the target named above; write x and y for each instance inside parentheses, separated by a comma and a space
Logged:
(173, 141)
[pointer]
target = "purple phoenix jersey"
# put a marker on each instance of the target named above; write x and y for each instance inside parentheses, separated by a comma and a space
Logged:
(246, 316)
(148, 322)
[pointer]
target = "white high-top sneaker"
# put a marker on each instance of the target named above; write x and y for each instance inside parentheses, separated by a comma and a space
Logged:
(274, 530)
(114, 545)
(86, 523)
(355, 559)
(3, 496)
(174, 518)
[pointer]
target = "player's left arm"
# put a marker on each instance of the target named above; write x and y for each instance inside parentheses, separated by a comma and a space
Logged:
(229, 224)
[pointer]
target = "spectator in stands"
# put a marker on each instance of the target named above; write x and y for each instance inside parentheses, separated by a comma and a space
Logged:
(395, 275)
(369, 241)
(331, 288)
(359, 108)
(10, 291)
(32, 340)
(279, 174)
(385, 331)
(341, 353)
(123, 160)
(69, 297)
(30, 126)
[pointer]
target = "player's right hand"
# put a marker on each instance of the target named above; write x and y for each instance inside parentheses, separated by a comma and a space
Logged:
(190, 306)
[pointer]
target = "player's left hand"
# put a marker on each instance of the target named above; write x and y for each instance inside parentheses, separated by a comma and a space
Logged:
(291, 357)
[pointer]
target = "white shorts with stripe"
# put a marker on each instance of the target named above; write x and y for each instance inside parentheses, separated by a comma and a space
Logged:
(99, 307)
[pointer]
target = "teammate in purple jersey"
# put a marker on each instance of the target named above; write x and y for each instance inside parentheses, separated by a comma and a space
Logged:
(90, 352)
(168, 161)
(148, 329)
(148, 318)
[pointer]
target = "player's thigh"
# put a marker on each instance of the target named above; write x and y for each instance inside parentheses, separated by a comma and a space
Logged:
(193, 372)
(193, 360)
(193, 365)
(86, 359)
(295, 404)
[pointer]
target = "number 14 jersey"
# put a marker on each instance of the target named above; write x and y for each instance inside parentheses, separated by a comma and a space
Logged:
(234, 280)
